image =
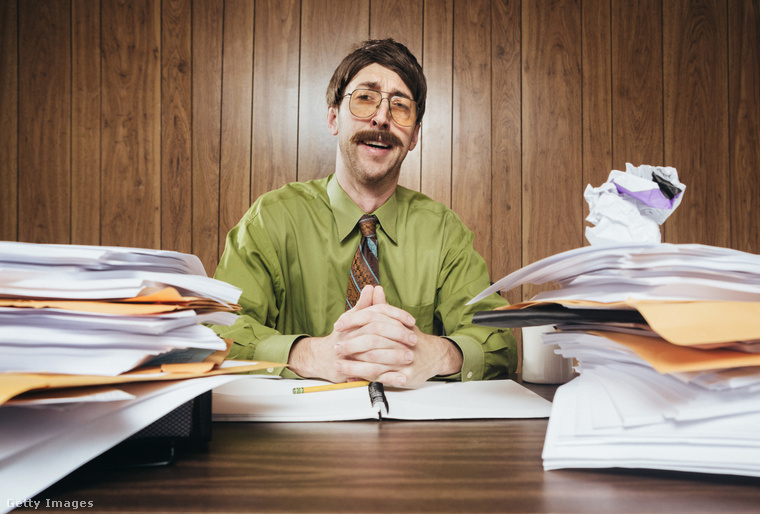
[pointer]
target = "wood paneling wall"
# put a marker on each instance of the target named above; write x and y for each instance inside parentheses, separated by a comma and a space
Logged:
(156, 123)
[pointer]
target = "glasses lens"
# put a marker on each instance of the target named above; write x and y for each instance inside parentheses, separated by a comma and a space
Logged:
(365, 102)
(403, 110)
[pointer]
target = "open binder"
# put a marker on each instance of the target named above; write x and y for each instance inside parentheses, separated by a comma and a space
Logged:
(259, 398)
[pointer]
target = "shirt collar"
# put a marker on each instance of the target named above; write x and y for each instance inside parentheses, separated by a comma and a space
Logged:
(347, 213)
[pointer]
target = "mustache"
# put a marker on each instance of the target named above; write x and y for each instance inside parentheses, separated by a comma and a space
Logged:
(382, 136)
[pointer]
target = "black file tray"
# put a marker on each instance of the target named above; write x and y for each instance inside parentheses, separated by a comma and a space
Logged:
(156, 444)
(553, 314)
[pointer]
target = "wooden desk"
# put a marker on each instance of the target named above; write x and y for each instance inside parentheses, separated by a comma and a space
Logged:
(393, 466)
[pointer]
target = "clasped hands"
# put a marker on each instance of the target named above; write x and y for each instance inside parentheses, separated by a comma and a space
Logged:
(378, 342)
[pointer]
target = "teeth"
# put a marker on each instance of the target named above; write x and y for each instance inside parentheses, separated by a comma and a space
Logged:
(375, 144)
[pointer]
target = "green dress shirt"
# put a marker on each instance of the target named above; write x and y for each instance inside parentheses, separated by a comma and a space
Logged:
(291, 255)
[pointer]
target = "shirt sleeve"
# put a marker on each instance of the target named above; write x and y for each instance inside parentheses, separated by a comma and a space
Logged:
(250, 262)
(487, 352)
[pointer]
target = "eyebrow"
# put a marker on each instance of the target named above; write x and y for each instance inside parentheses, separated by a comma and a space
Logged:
(375, 86)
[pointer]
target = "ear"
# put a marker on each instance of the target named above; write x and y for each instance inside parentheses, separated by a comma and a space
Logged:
(415, 137)
(332, 120)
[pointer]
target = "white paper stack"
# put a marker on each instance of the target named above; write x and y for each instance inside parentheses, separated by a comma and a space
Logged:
(74, 321)
(679, 392)
(615, 272)
(619, 412)
(90, 310)
(101, 272)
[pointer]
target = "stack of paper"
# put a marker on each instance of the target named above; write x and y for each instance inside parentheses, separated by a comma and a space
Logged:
(106, 310)
(75, 324)
(667, 340)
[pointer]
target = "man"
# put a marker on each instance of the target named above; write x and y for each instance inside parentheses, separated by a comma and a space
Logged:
(292, 252)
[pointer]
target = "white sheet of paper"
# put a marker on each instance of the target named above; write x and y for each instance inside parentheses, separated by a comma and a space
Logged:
(102, 352)
(80, 320)
(98, 257)
(68, 440)
(113, 284)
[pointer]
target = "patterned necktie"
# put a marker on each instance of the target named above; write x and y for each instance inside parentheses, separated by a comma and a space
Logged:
(364, 268)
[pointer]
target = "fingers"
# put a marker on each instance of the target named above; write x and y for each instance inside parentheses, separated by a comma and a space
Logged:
(394, 356)
(375, 359)
(372, 300)
(382, 313)
(374, 340)
(374, 335)
(371, 371)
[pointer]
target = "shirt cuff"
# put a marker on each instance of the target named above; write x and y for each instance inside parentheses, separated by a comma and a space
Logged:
(473, 361)
(276, 348)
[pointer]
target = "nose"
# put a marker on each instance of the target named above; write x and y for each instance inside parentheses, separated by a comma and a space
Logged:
(382, 117)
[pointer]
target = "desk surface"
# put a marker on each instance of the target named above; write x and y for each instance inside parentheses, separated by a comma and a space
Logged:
(393, 466)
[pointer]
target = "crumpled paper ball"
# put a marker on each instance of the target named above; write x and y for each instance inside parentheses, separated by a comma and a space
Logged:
(631, 205)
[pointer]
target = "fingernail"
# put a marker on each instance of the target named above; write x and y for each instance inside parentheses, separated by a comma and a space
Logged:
(410, 320)
(339, 366)
(408, 356)
(338, 325)
(401, 380)
(338, 349)
(413, 338)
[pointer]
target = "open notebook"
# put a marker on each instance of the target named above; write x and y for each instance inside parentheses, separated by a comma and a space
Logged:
(258, 398)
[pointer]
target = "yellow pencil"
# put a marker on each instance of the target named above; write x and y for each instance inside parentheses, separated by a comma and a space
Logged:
(329, 387)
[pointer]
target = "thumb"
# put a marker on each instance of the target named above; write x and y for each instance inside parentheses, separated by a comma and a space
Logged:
(378, 296)
(365, 298)
(364, 301)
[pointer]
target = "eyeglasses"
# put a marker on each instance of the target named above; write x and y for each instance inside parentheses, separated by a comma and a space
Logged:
(366, 102)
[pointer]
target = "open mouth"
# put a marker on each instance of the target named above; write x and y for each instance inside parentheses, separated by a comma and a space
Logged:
(376, 144)
(380, 139)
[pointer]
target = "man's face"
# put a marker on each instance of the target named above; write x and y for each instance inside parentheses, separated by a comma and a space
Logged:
(372, 149)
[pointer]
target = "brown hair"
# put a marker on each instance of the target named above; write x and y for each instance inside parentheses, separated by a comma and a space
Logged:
(387, 53)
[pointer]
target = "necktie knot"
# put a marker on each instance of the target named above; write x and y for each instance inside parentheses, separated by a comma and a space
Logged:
(368, 225)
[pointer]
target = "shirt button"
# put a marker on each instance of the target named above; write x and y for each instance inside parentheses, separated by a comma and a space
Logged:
(270, 370)
(469, 374)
